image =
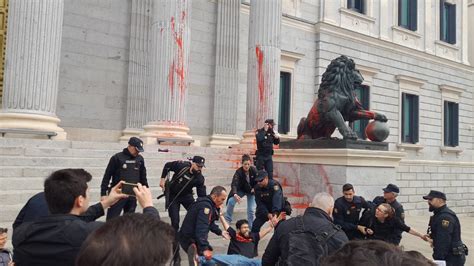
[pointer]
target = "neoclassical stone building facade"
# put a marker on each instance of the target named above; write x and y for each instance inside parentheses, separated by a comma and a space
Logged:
(213, 70)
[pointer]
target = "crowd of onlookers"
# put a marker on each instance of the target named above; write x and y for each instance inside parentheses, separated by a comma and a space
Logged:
(59, 225)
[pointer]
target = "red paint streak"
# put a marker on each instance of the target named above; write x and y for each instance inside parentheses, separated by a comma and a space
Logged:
(261, 80)
(325, 179)
(179, 68)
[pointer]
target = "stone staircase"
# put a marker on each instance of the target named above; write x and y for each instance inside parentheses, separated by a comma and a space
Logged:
(24, 164)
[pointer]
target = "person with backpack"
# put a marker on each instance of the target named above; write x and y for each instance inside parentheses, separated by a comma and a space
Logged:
(305, 240)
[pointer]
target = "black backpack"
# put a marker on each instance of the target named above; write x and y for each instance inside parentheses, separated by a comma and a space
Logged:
(308, 247)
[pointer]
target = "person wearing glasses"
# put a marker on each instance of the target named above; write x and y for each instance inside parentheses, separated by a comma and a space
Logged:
(5, 254)
(384, 224)
(179, 190)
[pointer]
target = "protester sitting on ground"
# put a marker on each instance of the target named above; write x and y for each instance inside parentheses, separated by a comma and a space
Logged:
(373, 253)
(132, 239)
(242, 185)
(5, 254)
(56, 239)
(243, 242)
(382, 224)
(306, 238)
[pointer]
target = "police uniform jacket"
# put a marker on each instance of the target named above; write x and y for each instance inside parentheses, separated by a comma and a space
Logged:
(123, 166)
(445, 232)
(314, 219)
(346, 214)
(181, 177)
(199, 220)
(56, 239)
(269, 199)
(265, 142)
(240, 182)
(399, 212)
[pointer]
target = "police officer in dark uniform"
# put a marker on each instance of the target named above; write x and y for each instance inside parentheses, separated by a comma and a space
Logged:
(347, 212)
(199, 220)
(390, 194)
(269, 199)
(179, 189)
(266, 138)
(128, 166)
(445, 231)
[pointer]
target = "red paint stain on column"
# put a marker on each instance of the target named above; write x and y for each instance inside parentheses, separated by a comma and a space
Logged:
(179, 67)
(261, 84)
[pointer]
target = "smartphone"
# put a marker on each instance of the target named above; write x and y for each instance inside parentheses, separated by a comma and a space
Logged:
(127, 188)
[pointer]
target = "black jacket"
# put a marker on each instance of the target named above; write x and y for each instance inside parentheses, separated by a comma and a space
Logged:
(313, 219)
(56, 239)
(269, 199)
(265, 142)
(35, 207)
(387, 231)
(115, 167)
(239, 181)
(445, 232)
(346, 214)
(399, 212)
(178, 182)
(199, 220)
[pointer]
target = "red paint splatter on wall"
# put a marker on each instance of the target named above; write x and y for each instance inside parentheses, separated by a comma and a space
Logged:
(261, 85)
(178, 67)
(325, 179)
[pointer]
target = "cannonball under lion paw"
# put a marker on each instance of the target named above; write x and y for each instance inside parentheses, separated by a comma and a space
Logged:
(377, 131)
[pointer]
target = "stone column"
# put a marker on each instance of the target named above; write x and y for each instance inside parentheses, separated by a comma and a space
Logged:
(227, 74)
(32, 66)
(264, 55)
(171, 36)
(138, 69)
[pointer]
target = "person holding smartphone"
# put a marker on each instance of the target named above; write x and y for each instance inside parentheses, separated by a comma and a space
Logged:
(266, 138)
(129, 166)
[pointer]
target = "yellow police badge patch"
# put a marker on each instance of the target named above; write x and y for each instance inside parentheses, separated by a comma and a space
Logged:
(276, 187)
(445, 223)
(206, 210)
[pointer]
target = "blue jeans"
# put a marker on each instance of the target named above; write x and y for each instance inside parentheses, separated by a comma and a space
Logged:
(230, 260)
(250, 207)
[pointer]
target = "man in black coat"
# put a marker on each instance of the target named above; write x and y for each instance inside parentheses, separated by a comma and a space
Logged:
(266, 138)
(199, 220)
(347, 212)
(317, 217)
(128, 166)
(390, 194)
(56, 239)
(445, 231)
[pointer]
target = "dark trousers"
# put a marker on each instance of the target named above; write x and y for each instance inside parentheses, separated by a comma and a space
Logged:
(128, 205)
(265, 162)
(458, 260)
(173, 212)
(259, 221)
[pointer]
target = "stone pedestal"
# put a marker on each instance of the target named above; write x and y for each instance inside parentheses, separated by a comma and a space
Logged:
(32, 66)
(326, 170)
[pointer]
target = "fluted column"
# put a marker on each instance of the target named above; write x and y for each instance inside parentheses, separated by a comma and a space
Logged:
(32, 65)
(227, 74)
(138, 69)
(264, 55)
(171, 36)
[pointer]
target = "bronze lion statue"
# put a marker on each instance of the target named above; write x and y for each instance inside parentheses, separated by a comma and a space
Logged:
(336, 103)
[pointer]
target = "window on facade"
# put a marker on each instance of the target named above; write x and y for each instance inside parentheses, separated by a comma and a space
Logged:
(285, 100)
(356, 5)
(407, 14)
(362, 92)
(451, 124)
(448, 22)
(409, 118)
